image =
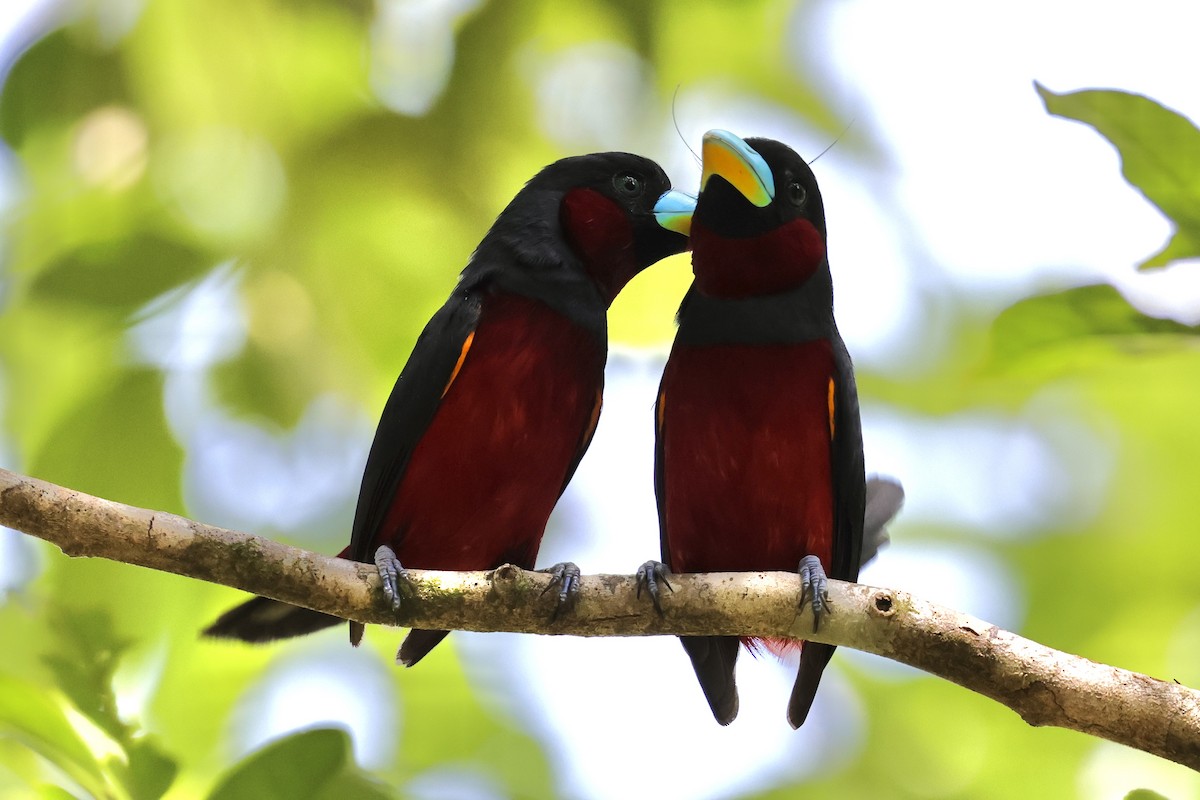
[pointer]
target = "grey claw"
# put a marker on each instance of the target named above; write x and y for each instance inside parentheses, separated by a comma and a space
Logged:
(564, 575)
(649, 575)
(814, 589)
(396, 584)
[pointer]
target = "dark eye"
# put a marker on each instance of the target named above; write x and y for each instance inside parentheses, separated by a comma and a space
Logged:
(796, 194)
(628, 185)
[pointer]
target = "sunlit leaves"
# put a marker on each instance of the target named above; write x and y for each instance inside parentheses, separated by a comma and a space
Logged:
(34, 717)
(745, 48)
(85, 659)
(1160, 155)
(113, 759)
(287, 72)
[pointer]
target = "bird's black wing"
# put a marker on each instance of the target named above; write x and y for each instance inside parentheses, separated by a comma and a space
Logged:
(408, 412)
(418, 392)
(849, 501)
(849, 474)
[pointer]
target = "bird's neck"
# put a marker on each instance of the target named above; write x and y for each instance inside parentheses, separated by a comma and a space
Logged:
(599, 232)
(777, 261)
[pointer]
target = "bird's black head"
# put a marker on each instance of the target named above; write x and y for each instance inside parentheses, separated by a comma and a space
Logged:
(759, 224)
(613, 213)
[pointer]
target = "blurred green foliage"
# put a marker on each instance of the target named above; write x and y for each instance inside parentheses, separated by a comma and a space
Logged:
(247, 135)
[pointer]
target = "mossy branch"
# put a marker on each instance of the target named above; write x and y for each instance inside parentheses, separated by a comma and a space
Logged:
(1044, 686)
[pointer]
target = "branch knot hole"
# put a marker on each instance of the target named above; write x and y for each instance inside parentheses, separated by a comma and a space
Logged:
(883, 605)
(505, 579)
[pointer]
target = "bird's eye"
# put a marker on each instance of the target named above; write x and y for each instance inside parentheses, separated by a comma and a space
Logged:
(628, 185)
(796, 194)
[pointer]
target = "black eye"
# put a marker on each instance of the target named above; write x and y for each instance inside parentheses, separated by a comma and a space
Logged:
(796, 194)
(628, 185)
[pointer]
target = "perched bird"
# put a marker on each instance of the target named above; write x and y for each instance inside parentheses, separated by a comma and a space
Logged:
(499, 399)
(759, 459)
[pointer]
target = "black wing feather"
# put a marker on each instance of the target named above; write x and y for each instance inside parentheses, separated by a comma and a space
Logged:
(407, 414)
(849, 501)
(405, 418)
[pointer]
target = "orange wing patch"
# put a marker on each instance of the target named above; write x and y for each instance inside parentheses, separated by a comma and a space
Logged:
(660, 409)
(462, 356)
(832, 407)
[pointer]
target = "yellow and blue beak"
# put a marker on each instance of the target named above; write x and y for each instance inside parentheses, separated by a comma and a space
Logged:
(738, 163)
(673, 211)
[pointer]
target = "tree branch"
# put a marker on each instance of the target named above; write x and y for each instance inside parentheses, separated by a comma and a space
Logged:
(1044, 686)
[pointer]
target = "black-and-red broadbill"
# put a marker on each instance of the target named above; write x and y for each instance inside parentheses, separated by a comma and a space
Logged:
(759, 460)
(500, 397)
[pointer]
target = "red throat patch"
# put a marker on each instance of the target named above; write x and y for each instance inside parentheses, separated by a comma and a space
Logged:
(772, 262)
(600, 233)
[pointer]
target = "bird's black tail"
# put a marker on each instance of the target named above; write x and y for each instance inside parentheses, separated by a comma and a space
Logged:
(813, 659)
(885, 496)
(265, 620)
(713, 658)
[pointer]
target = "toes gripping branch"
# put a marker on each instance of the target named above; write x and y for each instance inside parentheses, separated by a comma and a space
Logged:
(814, 589)
(649, 575)
(396, 583)
(565, 576)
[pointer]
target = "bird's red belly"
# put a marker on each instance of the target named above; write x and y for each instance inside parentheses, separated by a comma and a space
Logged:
(746, 457)
(483, 479)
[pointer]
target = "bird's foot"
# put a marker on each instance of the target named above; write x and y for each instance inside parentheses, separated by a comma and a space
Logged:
(814, 589)
(565, 576)
(396, 584)
(648, 577)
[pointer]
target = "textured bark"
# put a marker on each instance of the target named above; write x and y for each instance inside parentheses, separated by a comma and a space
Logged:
(1044, 686)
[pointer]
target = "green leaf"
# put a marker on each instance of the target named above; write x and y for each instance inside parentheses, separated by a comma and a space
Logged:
(1160, 155)
(120, 275)
(83, 76)
(150, 772)
(1070, 318)
(1144, 794)
(116, 445)
(355, 786)
(298, 767)
(36, 719)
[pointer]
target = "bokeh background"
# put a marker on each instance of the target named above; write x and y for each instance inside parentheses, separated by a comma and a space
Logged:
(224, 224)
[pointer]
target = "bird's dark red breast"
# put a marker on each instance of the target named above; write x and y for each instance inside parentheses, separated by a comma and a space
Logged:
(484, 477)
(746, 434)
